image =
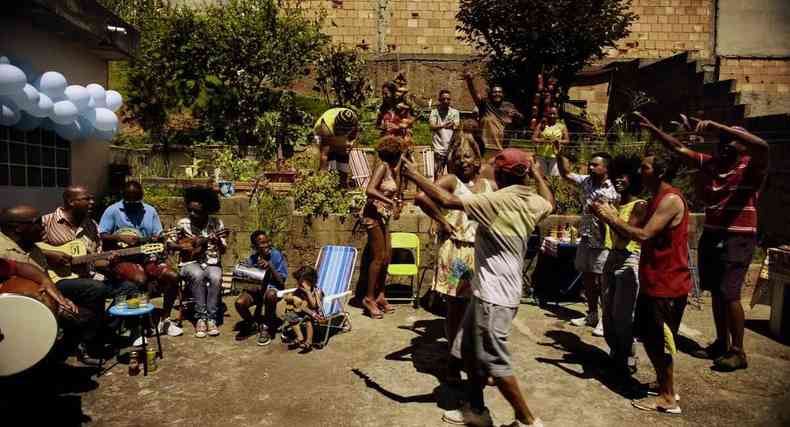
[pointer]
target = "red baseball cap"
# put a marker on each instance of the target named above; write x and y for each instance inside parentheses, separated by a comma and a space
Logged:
(513, 161)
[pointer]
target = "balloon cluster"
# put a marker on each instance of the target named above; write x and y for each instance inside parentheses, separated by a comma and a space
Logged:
(74, 112)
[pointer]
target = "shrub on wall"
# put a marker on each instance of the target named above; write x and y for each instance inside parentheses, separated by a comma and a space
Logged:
(319, 193)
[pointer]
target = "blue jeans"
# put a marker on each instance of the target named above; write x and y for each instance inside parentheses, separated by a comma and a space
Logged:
(620, 289)
(205, 284)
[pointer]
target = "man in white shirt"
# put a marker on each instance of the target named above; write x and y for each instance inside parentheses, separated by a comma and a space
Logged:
(506, 219)
(444, 121)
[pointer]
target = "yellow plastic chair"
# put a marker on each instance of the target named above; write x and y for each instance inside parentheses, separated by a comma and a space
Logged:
(410, 242)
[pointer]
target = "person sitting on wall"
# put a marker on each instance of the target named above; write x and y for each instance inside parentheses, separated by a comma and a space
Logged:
(335, 131)
(274, 264)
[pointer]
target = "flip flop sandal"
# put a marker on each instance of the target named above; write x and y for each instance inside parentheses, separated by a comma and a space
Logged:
(387, 308)
(653, 391)
(656, 408)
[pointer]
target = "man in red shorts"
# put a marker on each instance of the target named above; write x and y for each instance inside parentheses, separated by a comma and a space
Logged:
(731, 178)
(132, 222)
(664, 276)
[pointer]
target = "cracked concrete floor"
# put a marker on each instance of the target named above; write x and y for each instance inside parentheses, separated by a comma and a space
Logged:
(386, 373)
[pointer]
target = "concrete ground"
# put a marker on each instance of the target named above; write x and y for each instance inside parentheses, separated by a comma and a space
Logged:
(387, 373)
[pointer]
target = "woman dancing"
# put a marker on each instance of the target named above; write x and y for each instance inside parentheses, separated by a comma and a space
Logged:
(381, 193)
(455, 257)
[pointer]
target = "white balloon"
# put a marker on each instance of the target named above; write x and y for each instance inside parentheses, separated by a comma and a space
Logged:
(69, 131)
(86, 128)
(51, 83)
(9, 112)
(114, 100)
(64, 112)
(98, 94)
(102, 119)
(12, 79)
(79, 96)
(28, 122)
(43, 108)
(27, 98)
(104, 135)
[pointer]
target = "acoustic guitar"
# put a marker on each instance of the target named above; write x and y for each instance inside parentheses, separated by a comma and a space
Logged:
(194, 247)
(79, 256)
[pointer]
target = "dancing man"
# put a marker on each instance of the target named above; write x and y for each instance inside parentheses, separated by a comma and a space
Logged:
(664, 276)
(494, 113)
(506, 219)
(591, 253)
(732, 178)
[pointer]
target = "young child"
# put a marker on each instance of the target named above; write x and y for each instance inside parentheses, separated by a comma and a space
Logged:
(303, 306)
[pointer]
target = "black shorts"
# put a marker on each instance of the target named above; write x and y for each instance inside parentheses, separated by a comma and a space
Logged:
(724, 259)
(651, 315)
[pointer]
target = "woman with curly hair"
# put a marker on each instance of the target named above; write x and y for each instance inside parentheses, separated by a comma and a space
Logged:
(201, 237)
(456, 255)
(381, 193)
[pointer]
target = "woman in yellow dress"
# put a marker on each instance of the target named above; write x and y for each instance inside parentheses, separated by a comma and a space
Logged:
(546, 133)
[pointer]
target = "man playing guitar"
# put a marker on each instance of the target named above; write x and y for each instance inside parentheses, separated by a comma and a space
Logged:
(140, 222)
(202, 243)
(21, 229)
(71, 222)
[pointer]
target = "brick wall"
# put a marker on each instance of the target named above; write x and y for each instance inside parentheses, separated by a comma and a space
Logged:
(764, 84)
(597, 97)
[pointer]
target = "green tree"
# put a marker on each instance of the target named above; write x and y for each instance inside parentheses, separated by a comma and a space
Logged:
(225, 64)
(523, 38)
(341, 76)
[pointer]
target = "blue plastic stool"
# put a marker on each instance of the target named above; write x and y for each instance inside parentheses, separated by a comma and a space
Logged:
(146, 311)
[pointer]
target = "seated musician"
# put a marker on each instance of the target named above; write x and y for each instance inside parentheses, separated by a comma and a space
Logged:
(71, 222)
(21, 228)
(201, 241)
(131, 222)
(272, 261)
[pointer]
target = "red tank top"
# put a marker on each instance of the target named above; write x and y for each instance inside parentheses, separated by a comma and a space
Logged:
(663, 264)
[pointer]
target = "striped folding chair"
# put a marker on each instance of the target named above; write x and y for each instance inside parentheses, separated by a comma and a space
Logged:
(335, 267)
(360, 170)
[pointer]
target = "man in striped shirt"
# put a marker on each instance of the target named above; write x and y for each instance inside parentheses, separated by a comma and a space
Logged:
(731, 178)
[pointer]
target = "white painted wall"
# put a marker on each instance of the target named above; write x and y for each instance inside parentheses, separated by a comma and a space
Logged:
(46, 51)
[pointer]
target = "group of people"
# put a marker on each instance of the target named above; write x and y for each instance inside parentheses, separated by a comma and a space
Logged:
(31, 246)
(633, 253)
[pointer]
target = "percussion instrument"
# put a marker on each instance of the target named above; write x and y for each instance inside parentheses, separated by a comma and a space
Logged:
(247, 278)
(28, 327)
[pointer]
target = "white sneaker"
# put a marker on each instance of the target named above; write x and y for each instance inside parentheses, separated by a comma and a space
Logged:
(139, 342)
(169, 327)
(467, 416)
(598, 331)
(200, 329)
(536, 423)
(213, 330)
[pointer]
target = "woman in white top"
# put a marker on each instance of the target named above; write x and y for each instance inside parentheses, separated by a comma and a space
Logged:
(455, 257)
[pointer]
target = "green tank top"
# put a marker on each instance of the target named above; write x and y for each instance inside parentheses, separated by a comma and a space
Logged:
(614, 240)
(550, 133)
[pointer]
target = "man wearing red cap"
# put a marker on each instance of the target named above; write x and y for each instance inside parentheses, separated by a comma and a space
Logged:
(732, 178)
(506, 218)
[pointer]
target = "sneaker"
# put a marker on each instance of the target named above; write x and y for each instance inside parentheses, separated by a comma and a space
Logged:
(264, 338)
(598, 331)
(84, 358)
(632, 363)
(213, 330)
(535, 423)
(731, 361)
(589, 320)
(139, 342)
(246, 329)
(200, 329)
(712, 352)
(467, 416)
(169, 327)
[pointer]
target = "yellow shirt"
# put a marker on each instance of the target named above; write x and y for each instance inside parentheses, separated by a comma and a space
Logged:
(614, 240)
(328, 118)
(550, 134)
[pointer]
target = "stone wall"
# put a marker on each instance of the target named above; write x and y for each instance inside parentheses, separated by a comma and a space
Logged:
(763, 83)
(306, 236)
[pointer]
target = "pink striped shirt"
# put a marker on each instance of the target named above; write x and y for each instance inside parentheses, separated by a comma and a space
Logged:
(59, 230)
(731, 195)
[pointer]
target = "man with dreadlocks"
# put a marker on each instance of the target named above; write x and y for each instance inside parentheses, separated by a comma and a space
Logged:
(201, 237)
(335, 132)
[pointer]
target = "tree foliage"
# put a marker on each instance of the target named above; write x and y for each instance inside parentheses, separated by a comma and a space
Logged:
(225, 64)
(522, 38)
(341, 76)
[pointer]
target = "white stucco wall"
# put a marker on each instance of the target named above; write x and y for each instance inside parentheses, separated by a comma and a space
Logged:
(46, 51)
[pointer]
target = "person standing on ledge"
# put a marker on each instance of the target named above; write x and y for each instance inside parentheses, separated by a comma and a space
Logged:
(335, 131)
(494, 113)
(732, 178)
(444, 122)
